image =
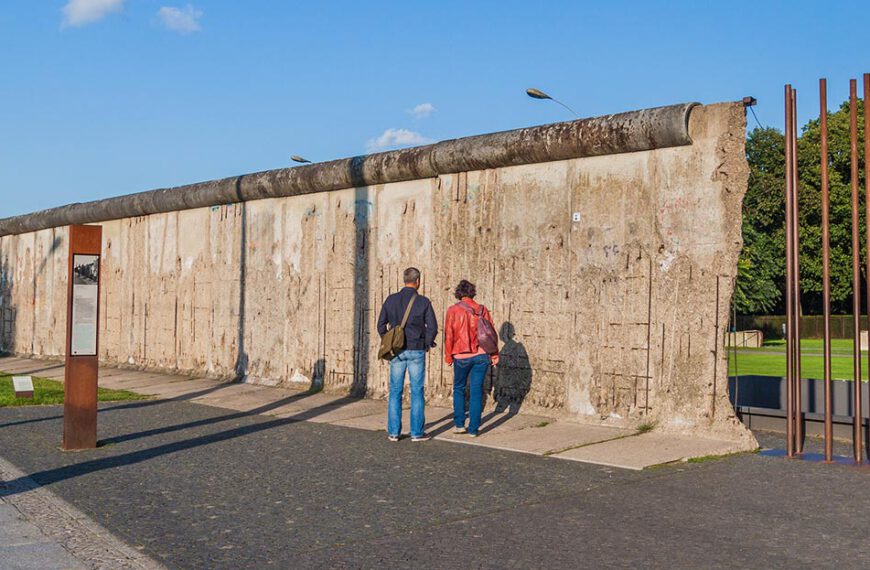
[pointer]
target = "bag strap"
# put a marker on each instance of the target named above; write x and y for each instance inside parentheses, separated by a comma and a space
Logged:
(472, 310)
(408, 311)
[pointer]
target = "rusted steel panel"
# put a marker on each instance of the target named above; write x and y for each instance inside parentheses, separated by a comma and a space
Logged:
(633, 131)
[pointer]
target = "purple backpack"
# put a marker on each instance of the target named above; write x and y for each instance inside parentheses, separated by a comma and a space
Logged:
(487, 338)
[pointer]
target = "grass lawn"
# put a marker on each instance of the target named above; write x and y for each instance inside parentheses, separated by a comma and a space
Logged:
(770, 360)
(808, 346)
(51, 392)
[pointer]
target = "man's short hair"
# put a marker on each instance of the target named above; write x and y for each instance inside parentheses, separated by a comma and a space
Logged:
(412, 275)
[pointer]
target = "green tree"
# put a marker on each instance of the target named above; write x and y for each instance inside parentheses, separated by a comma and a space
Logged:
(839, 189)
(761, 270)
(757, 272)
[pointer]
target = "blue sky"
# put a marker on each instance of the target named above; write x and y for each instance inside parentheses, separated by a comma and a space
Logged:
(107, 97)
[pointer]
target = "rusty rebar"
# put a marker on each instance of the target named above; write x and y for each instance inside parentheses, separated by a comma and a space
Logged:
(856, 271)
(796, 266)
(826, 267)
(789, 277)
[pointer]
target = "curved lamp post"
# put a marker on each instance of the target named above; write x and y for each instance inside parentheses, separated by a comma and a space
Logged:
(538, 94)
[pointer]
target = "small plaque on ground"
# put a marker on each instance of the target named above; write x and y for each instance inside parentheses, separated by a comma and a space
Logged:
(23, 386)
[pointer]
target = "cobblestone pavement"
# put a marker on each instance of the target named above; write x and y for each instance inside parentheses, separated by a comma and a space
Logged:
(200, 487)
(40, 530)
(23, 545)
(553, 436)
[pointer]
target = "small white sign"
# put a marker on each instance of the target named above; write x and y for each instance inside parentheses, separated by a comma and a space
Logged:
(575, 217)
(22, 384)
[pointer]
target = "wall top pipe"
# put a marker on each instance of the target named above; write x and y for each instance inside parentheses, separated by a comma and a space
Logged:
(633, 131)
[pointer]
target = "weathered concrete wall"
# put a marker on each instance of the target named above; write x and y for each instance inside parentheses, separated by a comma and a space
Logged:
(619, 315)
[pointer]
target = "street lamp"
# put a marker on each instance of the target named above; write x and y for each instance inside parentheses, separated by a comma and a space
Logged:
(299, 159)
(538, 94)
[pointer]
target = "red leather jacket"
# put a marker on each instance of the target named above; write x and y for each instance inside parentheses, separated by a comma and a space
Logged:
(460, 330)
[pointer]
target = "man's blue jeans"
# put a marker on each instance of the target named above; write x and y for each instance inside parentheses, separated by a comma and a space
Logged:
(414, 361)
(469, 371)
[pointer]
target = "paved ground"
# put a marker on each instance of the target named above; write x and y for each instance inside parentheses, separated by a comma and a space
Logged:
(239, 476)
(537, 435)
(195, 486)
(40, 530)
(23, 545)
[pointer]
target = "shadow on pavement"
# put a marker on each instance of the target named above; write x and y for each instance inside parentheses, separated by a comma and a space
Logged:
(208, 421)
(485, 424)
(129, 405)
(36, 370)
(438, 431)
(55, 475)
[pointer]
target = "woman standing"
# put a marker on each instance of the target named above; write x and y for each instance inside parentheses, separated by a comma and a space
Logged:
(470, 346)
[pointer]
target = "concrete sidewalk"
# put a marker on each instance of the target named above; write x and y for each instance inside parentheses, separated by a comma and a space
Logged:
(537, 435)
(41, 531)
(23, 545)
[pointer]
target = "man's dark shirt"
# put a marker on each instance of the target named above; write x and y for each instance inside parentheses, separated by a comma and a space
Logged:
(421, 328)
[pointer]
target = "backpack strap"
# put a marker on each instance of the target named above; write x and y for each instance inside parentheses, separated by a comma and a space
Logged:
(469, 309)
(408, 311)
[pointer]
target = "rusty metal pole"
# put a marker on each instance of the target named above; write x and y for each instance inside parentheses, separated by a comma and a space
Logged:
(867, 207)
(789, 290)
(796, 266)
(82, 366)
(856, 271)
(826, 268)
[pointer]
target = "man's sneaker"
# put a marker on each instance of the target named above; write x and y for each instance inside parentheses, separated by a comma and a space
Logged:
(472, 435)
(393, 437)
(459, 430)
(424, 437)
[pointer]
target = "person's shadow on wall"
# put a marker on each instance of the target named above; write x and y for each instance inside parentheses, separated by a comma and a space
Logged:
(318, 375)
(514, 378)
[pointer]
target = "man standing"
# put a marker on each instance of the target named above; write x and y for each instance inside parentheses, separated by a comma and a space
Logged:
(421, 329)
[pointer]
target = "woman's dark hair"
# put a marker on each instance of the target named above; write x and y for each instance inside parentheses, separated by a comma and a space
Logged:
(465, 289)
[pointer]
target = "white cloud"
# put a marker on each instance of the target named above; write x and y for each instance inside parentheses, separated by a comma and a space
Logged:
(422, 110)
(392, 138)
(183, 21)
(83, 12)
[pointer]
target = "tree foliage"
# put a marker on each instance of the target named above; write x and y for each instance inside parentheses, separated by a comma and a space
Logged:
(761, 270)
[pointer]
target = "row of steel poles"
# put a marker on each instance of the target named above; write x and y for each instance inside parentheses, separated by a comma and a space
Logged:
(794, 407)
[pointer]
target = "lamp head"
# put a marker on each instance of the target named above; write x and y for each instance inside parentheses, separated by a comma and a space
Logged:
(537, 94)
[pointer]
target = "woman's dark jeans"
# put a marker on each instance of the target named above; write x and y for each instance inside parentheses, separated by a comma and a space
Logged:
(469, 372)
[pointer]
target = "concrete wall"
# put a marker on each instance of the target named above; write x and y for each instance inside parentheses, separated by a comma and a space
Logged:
(618, 316)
